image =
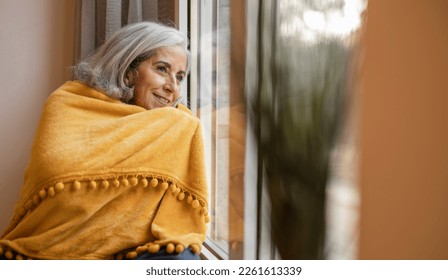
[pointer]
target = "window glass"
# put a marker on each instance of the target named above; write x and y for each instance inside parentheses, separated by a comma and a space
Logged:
(209, 98)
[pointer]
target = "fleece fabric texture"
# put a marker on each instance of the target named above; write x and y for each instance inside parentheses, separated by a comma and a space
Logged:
(109, 180)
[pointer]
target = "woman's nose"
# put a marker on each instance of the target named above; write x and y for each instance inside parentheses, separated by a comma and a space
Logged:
(171, 85)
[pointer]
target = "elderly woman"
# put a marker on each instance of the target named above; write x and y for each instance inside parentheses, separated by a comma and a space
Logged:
(116, 169)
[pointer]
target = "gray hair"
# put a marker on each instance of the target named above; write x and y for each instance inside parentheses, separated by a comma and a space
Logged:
(106, 69)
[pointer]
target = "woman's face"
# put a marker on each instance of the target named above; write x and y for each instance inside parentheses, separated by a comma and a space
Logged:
(159, 78)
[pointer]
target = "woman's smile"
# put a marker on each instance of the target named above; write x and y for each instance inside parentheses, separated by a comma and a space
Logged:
(161, 99)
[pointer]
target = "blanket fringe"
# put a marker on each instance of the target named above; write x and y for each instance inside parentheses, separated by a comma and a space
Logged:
(144, 181)
(151, 247)
(10, 254)
(154, 248)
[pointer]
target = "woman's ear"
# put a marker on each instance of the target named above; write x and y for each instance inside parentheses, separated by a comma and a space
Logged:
(131, 77)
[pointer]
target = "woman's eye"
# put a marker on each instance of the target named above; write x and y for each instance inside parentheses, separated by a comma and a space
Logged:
(180, 78)
(161, 69)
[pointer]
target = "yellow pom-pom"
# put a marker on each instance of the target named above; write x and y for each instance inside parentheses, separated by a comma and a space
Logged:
(131, 255)
(59, 187)
(51, 191)
(29, 204)
(9, 255)
(116, 183)
(154, 248)
(177, 191)
(195, 248)
(36, 200)
(141, 249)
(119, 257)
(92, 185)
(207, 219)
(144, 182)
(105, 184)
(179, 248)
(190, 199)
(124, 182)
(154, 182)
(173, 188)
(181, 196)
(195, 203)
(164, 185)
(204, 211)
(19, 257)
(43, 194)
(76, 185)
(134, 181)
(170, 248)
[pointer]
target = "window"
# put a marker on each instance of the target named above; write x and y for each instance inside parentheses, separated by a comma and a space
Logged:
(238, 198)
(207, 24)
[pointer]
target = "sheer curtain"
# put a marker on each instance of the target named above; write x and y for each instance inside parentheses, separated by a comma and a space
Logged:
(97, 20)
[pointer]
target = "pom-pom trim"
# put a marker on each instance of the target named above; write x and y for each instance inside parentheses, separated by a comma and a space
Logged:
(143, 180)
(154, 248)
(11, 254)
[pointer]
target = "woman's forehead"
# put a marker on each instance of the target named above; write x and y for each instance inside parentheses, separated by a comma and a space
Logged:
(173, 55)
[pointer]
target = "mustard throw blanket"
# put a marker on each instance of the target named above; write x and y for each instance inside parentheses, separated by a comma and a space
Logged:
(109, 180)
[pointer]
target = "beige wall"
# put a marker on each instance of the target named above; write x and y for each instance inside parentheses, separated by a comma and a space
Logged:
(36, 49)
(404, 131)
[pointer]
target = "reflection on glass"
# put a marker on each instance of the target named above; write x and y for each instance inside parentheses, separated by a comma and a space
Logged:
(306, 50)
(308, 21)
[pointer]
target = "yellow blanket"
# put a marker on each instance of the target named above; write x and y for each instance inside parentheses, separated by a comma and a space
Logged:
(109, 180)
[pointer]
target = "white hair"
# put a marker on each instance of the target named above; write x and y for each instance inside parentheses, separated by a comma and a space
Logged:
(107, 67)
